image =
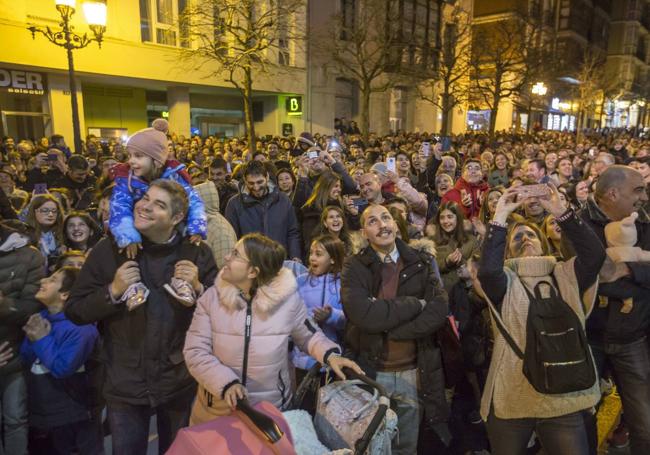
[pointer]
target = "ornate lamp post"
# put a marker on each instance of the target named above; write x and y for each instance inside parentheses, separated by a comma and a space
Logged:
(538, 89)
(95, 12)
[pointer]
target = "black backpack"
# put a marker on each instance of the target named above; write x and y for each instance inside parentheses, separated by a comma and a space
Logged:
(558, 358)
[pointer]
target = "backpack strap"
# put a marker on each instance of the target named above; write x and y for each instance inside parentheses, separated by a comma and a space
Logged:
(503, 330)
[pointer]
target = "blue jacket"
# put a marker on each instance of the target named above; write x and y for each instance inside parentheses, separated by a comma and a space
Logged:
(272, 215)
(57, 384)
(129, 189)
(317, 292)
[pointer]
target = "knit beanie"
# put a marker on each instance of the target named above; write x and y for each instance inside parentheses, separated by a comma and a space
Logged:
(151, 141)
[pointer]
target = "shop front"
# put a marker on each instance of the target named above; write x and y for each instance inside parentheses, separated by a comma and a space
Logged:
(24, 106)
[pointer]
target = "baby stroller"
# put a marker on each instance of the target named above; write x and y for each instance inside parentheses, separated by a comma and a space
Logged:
(352, 417)
(365, 426)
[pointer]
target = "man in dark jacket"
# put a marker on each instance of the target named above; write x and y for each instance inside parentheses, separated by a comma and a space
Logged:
(261, 207)
(21, 268)
(618, 336)
(394, 304)
(227, 190)
(142, 348)
(79, 181)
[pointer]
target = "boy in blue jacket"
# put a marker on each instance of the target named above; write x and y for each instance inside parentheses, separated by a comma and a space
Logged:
(55, 351)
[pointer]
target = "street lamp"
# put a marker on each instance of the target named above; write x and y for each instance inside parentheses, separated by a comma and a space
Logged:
(538, 89)
(95, 12)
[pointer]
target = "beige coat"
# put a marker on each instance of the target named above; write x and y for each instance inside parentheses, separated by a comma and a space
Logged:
(507, 390)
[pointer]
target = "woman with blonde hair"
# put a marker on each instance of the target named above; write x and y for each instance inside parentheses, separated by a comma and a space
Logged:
(539, 304)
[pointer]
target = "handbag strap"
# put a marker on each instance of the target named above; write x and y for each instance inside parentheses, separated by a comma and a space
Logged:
(502, 328)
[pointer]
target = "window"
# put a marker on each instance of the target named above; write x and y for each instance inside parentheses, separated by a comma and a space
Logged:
(348, 18)
(284, 55)
(159, 22)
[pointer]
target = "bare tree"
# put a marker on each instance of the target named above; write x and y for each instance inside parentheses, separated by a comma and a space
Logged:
(507, 56)
(448, 85)
(240, 40)
(359, 46)
(594, 83)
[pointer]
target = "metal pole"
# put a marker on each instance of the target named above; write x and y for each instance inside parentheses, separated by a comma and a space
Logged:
(73, 86)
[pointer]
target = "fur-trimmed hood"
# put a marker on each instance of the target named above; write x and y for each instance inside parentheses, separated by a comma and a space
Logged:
(268, 297)
(424, 245)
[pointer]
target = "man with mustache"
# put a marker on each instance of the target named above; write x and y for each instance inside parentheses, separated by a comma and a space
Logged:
(616, 336)
(394, 304)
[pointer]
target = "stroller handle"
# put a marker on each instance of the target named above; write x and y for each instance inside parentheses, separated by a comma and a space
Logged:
(362, 443)
(263, 423)
(351, 374)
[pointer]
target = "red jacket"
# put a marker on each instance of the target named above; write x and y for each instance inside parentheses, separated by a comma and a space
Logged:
(476, 190)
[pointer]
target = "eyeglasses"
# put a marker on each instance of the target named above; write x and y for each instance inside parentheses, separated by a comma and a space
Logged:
(234, 254)
(46, 211)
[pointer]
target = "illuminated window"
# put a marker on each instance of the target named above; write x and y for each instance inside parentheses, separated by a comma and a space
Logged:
(159, 22)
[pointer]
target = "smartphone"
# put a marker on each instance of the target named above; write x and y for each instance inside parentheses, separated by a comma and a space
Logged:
(228, 168)
(540, 190)
(52, 157)
(445, 143)
(390, 164)
(312, 155)
(359, 202)
(40, 188)
(426, 148)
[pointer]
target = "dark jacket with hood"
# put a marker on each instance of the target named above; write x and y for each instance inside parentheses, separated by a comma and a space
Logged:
(607, 323)
(21, 269)
(271, 215)
(372, 321)
(141, 350)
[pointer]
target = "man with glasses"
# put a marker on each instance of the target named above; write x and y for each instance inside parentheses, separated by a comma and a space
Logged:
(142, 347)
(469, 189)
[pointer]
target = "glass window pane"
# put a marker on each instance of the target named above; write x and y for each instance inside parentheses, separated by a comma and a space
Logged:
(166, 36)
(145, 20)
(165, 12)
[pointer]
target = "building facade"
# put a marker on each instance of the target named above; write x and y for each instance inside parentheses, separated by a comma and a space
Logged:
(628, 64)
(612, 33)
(136, 76)
(416, 24)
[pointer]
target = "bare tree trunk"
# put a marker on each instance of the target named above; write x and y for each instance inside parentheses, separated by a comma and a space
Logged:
(579, 123)
(493, 117)
(365, 111)
(446, 109)
(247, 92)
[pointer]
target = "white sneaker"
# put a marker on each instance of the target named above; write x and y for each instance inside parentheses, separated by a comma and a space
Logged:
(181, 291)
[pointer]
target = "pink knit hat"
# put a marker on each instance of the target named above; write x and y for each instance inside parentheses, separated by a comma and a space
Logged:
(151, 141)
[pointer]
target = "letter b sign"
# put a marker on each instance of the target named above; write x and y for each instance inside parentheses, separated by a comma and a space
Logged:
(294, 105)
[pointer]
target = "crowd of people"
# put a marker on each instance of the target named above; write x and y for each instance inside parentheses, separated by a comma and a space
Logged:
(493, 285)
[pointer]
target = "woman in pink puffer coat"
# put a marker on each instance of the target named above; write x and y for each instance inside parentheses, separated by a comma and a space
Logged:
(238, 343)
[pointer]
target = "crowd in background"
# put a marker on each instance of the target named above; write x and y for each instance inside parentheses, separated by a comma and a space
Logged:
(127, 270)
